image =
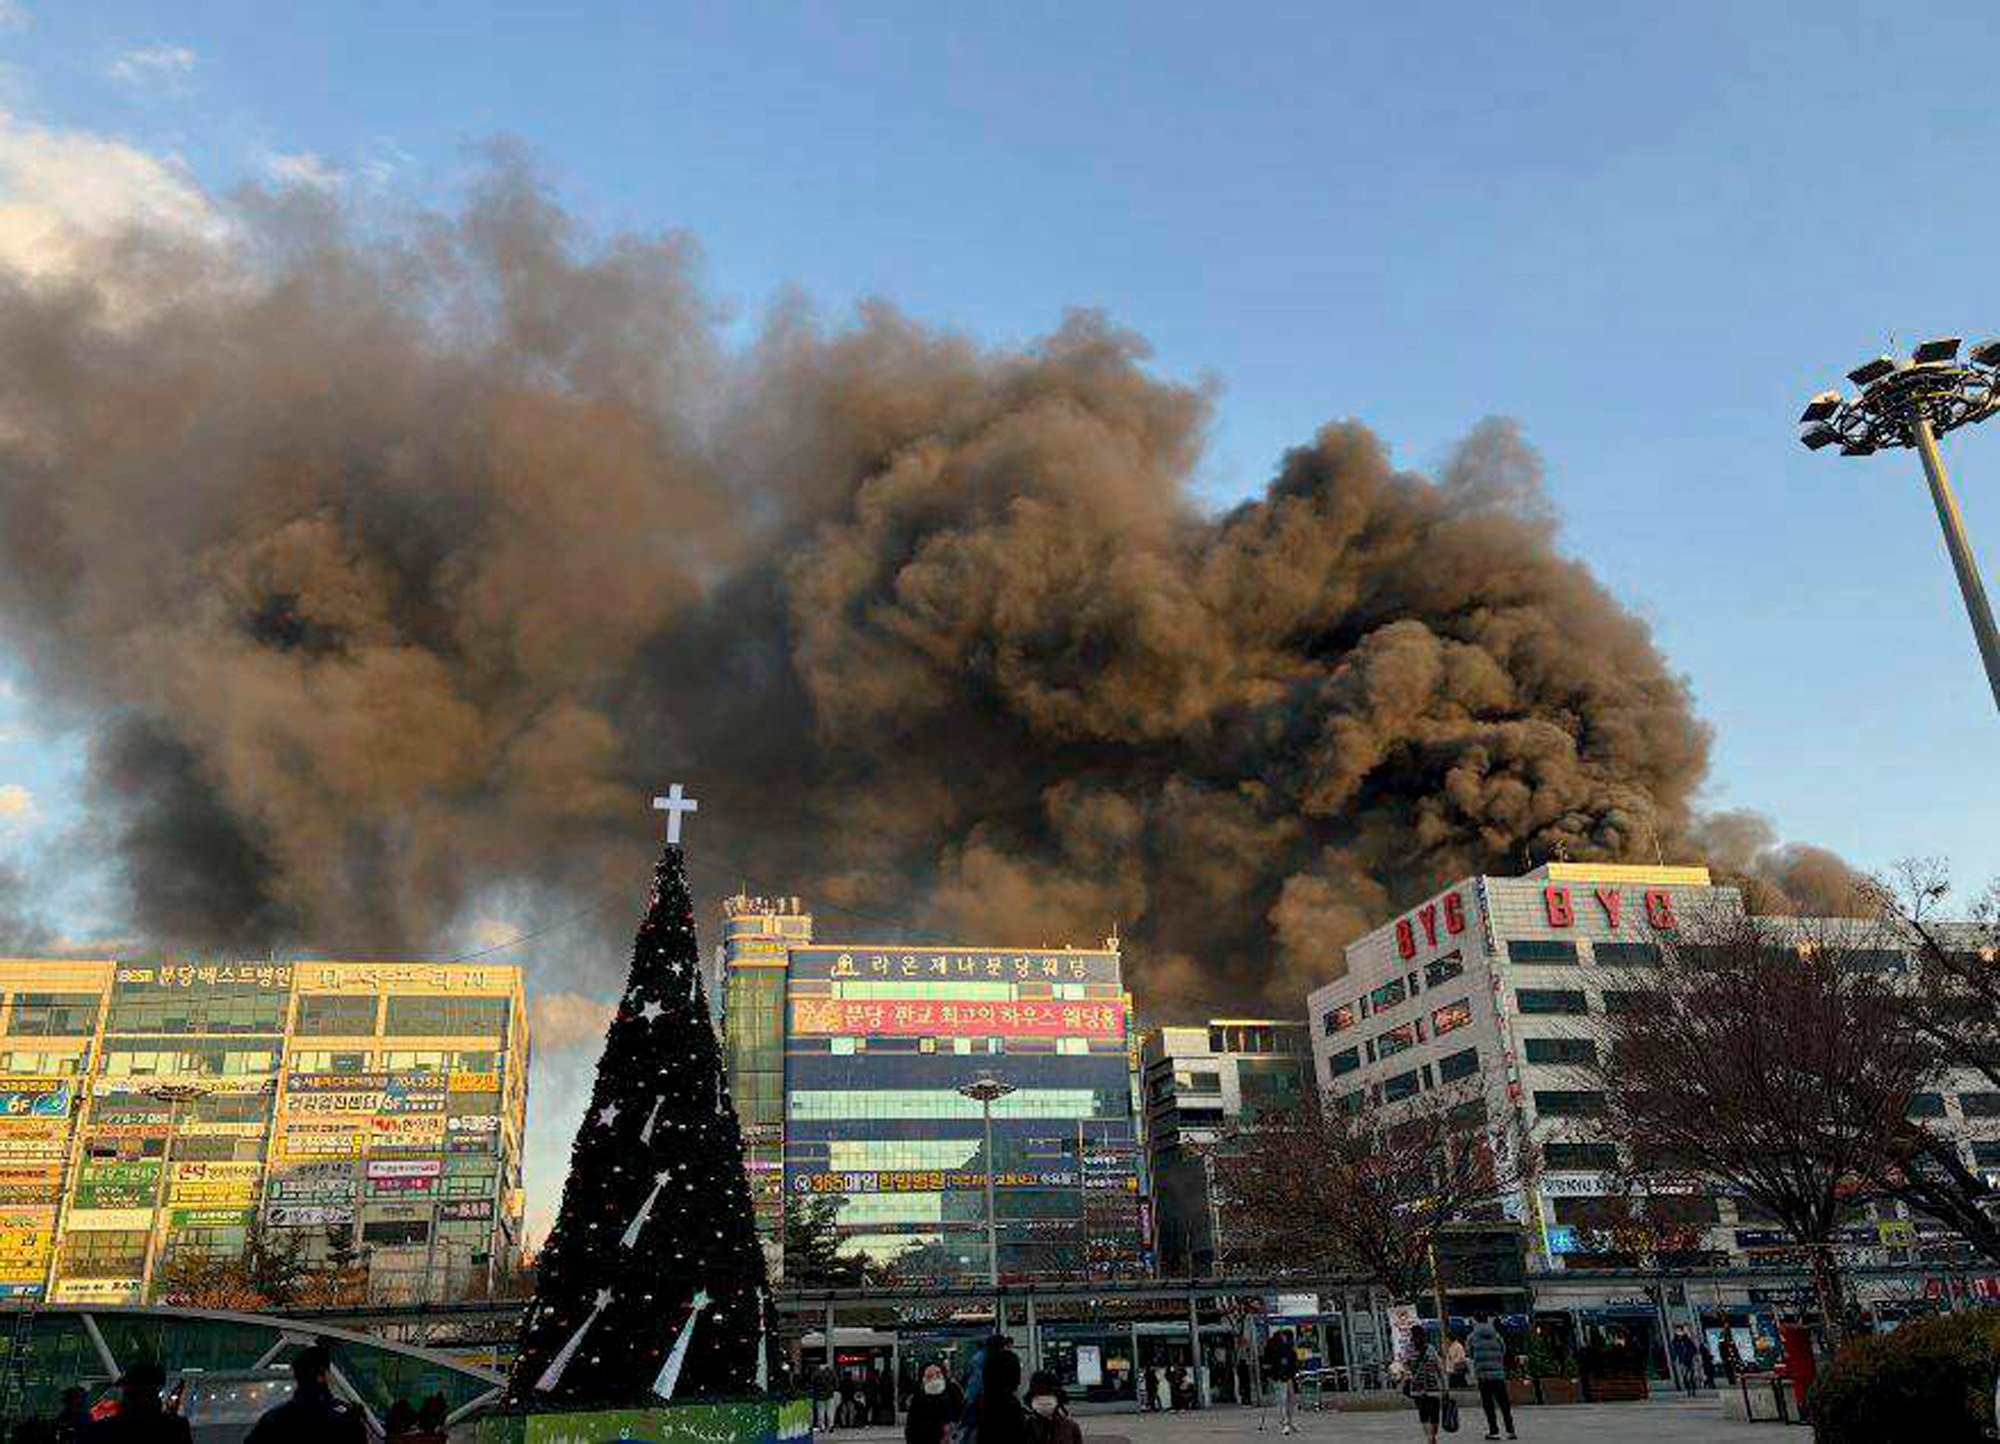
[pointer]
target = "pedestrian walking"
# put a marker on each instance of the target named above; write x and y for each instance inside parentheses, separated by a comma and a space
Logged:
(997, 1413)
(1732, 1357)
(1281, 1372)
(825, 1395)
(1686, 1359)
(1457, 1370)
(1487, 1348)
(141, 1418)
(935, 1409)
(1424, 1381)
(312, 1415)
(1048, 1412)
(1163, 1386)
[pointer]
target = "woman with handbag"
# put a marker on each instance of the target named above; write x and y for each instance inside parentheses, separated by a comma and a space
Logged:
(1424, 1382)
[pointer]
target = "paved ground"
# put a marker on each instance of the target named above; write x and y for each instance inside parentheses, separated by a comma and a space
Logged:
(1659, 1422)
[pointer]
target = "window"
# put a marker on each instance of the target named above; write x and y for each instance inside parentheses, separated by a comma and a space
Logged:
(324, 1060)
(1403, 1085)
(54, 1015)
(332, 1016)
(395, 1231)
(1440, 971)
(1531, 951)
(1344, 1062)
(1559, 1050)
(1872, 960)
(1389, 1044)
(1626, 955)
(415, 1060)
(1450, 1017)
(1986, 1152)
(1568, 1103)
(1454, 1066)
(1388, 995)
(446, 1017)
(1204, 1082)
(1550, 1000)
(1339, 1019)
(105, 1254)
(1628, 1000)
(1596, 1157)
(1979, 1105)
(1926, 1105)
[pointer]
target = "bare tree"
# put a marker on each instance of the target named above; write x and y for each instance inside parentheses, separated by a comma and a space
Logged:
(1370, 1190)
(1769, 1058)
(1954, 1003)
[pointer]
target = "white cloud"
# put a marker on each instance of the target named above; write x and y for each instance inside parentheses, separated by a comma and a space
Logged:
(569, 1020)
(13, 15)
(304, 169)
(59, 189)
(152, 65)
(17, 804)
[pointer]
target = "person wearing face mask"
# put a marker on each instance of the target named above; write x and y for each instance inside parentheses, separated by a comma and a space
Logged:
(1048, 1413)
(935, 1408)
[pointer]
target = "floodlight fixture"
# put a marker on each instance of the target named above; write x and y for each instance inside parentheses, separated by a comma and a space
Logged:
(1913, 403)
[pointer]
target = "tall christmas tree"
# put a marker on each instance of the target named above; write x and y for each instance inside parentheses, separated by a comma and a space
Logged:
(652, 1284)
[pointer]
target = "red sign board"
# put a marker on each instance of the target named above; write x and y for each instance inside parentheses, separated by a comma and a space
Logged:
(930, 1018)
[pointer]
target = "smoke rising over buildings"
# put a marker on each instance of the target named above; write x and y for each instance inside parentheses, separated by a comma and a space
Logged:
(390, 566)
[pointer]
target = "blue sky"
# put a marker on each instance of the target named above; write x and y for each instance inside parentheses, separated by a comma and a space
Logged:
(1647, 232)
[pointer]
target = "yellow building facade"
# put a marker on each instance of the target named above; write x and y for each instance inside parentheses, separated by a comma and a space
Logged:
(154, 1111)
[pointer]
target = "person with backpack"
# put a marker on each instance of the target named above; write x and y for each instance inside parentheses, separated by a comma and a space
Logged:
(1486, 1346)
(1281, 1370)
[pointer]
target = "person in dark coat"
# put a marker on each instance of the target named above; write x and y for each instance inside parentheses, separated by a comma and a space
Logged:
(312, 1415)
(998, 1411)
(935, 1408)
(72, 1417)
(1048, 1412)
(140, 1418)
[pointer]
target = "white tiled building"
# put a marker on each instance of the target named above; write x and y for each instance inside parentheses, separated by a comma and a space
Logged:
(1492, 984)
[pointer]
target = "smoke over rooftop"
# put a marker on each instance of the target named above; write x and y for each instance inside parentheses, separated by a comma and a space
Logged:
(406, 559)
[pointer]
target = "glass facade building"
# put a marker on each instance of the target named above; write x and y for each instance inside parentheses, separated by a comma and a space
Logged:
(757, 936)
(150, 1112)
(880, 1040)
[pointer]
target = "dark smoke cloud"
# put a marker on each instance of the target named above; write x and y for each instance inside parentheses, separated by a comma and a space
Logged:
(407, 560)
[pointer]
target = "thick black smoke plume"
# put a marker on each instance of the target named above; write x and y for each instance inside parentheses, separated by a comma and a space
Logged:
(406, 561)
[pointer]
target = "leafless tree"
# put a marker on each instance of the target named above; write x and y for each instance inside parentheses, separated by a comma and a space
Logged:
(1767, 1058)
(1953, 1001)
(1368, 1191)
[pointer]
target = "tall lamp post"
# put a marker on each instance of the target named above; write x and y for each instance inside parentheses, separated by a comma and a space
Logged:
(1913, 403)
(984, 1091)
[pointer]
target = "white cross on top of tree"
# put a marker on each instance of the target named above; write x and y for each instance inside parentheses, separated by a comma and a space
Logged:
(675, 805)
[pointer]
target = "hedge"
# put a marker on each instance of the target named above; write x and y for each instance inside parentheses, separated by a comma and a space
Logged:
(1929, 1382)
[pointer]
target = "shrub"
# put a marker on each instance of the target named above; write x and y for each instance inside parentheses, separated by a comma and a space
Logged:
(1930, 1382)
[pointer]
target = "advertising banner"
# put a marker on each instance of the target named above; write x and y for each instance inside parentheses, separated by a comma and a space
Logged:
(110, 1184)
(407, 1130)
(186, 975)
(336, 1082)
(475, 1082)
(925, 1017)
(97, 1291)
(927, 1181)
(210, 1217)
(28, 1096)
(465, 1210)
(382, 1187)
(373, 977)
(379, 1168)
(313, 1190)
(216, 1183)
(308, 1215)
(1055, 966)
(322, 1140)
(107, 1220)
(417, 1093)
(485, 1124)
(27, 1237)
(33, 1141)
(321, 1105)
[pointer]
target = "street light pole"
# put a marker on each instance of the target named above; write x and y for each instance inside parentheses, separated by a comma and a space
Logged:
(1960, 546)
(984, 1091)
(1912, 403)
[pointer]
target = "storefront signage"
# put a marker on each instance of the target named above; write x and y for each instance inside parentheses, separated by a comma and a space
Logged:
(937, 964)
(308, 1215)
(319, 1105)
(296, 1187)
(1436, 920)
(336, 1082)
(105, 1184)
(926, 1181)
(407, 1130)
(1559, 907)
(107, 1220)
(216, 1183)
(936, 1019)
(465, 1210)
(486, 1123)
(32, 1097)
(475, 1082)
(373, 977)
(209, 1217)
(378, 1187)
(322, 1140)
(178, 975)
(97, 1291)
(381, 1168)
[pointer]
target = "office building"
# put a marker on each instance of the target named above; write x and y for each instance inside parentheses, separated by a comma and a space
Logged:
(1491, 985)
(153, 1110)
(1201, 1084)
(757, 937)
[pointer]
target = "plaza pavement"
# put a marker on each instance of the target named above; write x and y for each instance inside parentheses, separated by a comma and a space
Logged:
(1661, 1421)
